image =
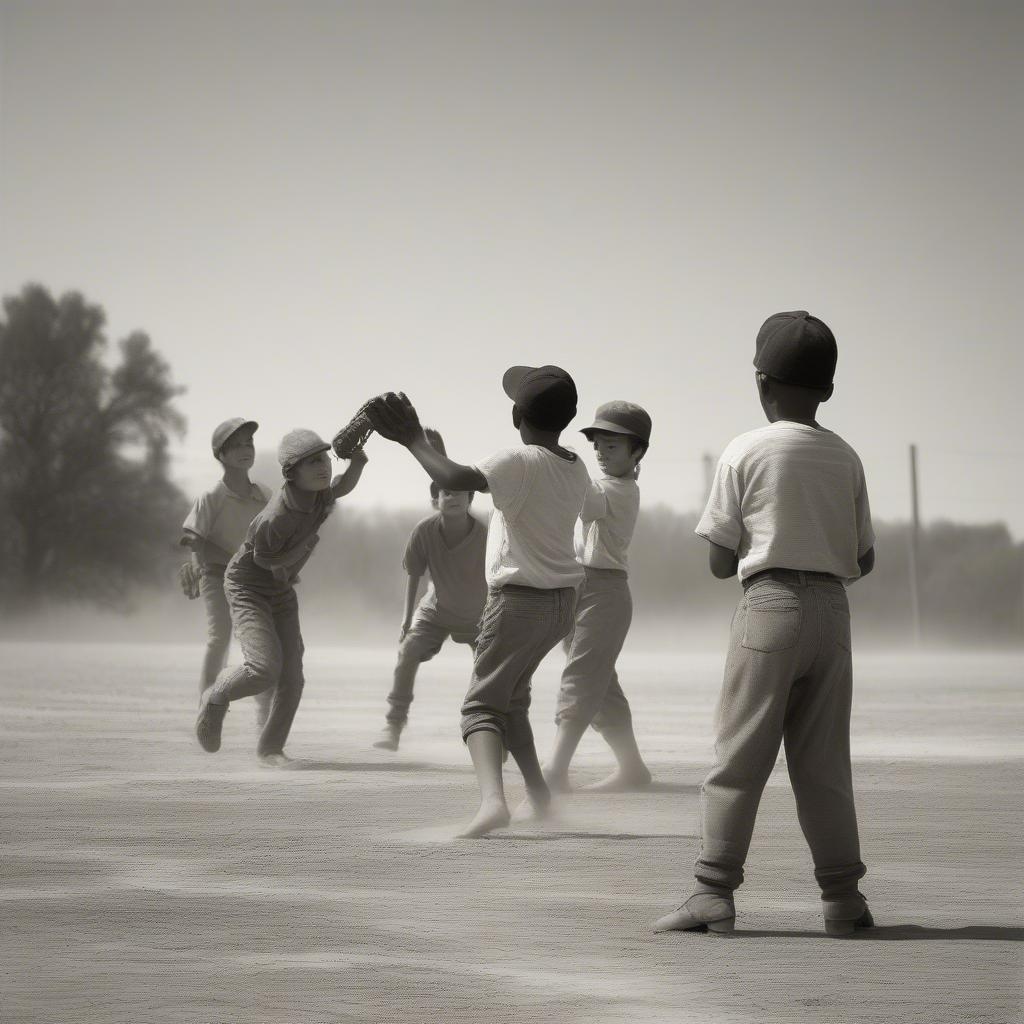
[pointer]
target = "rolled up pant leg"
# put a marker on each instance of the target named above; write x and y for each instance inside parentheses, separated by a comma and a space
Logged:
(590, 690)
(218, 624)
(817, 739)
(252, 615)
(518, 628)
(763, 660)
(291, 680)
(424, 639)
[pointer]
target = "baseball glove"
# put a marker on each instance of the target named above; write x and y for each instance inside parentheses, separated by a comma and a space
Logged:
(351, 438)
(394, 417)
(188, 577)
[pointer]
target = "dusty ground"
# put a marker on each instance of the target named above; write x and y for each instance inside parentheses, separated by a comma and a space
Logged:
(145, 881)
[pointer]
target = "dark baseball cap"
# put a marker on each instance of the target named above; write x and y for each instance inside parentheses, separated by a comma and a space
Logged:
(620, 418)
(545, 395)
(797, 348)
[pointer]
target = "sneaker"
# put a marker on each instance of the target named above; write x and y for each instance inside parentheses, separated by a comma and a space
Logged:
(701, 911)
(277, 759)
(388, 738)
(845, 915)
(208, 724)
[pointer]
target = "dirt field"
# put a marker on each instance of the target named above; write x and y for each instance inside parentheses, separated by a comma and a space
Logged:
(145, 881)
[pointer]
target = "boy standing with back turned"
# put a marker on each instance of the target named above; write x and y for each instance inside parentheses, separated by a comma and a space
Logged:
(788, 511)
(537, 488)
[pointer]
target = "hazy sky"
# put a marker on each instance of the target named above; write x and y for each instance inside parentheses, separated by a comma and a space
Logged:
(306, 204)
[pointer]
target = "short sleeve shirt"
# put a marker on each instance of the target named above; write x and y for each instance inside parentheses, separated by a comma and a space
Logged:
(221, 518)
(790, 496)
(458, 589)
(609, 517)
(537, 498)
(288, 525)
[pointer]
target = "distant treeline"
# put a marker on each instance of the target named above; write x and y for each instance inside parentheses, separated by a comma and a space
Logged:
(972, 577)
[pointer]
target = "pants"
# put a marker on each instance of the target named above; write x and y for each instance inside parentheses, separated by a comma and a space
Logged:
(218, 635)
(425, 638)
(590, 690)
(267, 626)
(518, 627)
(788, 678)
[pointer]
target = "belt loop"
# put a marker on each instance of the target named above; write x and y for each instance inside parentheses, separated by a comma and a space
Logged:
(803, 577)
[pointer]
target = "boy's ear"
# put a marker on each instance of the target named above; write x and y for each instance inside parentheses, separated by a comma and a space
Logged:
(827, 393)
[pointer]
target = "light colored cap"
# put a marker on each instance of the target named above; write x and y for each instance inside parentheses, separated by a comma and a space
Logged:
(299, 444)
(223, 432)
(620, 418)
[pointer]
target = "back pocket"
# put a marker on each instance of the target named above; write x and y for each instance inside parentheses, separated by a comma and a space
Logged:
(773, 619)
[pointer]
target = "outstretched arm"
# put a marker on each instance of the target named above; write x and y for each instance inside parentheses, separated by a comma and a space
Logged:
(394, 417)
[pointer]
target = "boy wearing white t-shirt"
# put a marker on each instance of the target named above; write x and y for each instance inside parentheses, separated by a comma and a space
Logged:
(538, 489)
(590, 693)
(788, 511)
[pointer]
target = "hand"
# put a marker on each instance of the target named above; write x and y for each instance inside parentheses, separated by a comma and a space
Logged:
(359, 457)
(188, 578)
(394, 417)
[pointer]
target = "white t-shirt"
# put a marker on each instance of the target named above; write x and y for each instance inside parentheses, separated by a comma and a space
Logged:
(790, 496)
(537, 498)
(609, 518)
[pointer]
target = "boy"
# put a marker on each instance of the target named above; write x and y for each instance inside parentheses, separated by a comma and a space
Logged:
(215, 528)
(450, 545)
(537, 489)
(590, 693)
(788, 510)
(259, 584)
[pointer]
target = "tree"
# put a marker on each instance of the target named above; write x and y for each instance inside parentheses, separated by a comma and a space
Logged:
(87, 509)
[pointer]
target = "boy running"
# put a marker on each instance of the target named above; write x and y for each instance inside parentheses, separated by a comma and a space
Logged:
(260, 586)
(788, 510)
(537, 489)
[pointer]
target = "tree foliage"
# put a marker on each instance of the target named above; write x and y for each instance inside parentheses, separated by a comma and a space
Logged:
(87, 509)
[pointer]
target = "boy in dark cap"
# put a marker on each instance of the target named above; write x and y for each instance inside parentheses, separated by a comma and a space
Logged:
(537, 489)
(260, 588)
(788, 511)
(590, 693)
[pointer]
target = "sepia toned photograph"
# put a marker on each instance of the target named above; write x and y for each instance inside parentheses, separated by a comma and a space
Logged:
(511, 512)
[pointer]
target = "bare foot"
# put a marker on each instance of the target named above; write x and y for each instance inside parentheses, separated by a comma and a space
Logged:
(492, 814)
(536, 807)
(621, 781)
(557, 783)
(275, 760)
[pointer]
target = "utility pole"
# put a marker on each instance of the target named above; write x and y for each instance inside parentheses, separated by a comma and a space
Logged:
(915, 529)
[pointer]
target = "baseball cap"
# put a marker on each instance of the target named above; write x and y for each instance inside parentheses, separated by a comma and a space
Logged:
(545, 395)
(223, 431)
(299, 444)
(620, 418)
(796, 348)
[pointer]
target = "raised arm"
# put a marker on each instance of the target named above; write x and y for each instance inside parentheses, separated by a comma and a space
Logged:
(394, 417)
(345, 482)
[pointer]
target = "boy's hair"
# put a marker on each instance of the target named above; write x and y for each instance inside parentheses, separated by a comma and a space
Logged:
(435, 492)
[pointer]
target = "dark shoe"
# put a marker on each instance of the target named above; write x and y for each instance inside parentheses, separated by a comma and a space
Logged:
(208, 725)
(388, 739)
(845, 915)
(701, 912)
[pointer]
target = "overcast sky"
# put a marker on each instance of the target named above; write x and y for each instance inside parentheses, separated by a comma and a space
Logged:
(306, 204)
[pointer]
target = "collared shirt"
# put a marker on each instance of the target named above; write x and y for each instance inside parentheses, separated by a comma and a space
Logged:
(790, 496)
(537, 498)
(458, 589)
(609, 517)
(288, 525)
(221, 518)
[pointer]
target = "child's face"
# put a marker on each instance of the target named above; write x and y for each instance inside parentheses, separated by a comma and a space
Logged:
(239, 452)
(615, 454)
(452, 503)
(313, 473)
